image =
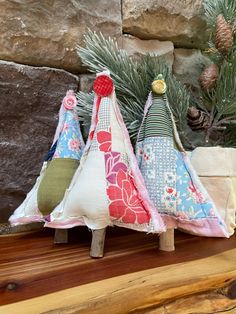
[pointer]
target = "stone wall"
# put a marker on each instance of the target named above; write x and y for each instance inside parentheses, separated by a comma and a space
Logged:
(39, 63)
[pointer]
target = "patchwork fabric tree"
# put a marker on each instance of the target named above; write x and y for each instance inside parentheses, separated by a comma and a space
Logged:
(58, 168)
(171, 181)
(107, 188)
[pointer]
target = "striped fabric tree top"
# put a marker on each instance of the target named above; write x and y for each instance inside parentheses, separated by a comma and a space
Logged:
(157, 121)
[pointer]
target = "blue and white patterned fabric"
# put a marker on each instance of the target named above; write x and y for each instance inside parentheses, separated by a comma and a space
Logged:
(156, 155)
(190, 200)
(70, 142)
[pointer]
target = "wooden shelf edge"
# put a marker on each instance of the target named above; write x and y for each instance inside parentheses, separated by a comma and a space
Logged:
(143, 291)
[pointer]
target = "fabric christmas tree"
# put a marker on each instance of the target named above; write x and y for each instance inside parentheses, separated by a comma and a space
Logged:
(58, 168)
(107, 188)
(172, 183)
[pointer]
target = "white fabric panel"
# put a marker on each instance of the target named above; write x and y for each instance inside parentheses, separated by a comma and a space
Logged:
(216, 167)
(214, 161)
(86, 196)
(28, 210)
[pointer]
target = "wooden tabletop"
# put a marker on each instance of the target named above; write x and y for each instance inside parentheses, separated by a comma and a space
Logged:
(134, 276)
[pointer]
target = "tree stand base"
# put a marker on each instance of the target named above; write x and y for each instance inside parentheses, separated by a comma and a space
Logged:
(61, 236)
(97, 245)
(167, 241)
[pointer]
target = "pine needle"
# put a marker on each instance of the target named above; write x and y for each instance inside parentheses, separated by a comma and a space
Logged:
(225, 92)
(132, 80)
(213, 8)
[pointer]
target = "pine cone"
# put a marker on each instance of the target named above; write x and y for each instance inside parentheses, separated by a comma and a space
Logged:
(224, 35)
(197, 120)
(209, 77)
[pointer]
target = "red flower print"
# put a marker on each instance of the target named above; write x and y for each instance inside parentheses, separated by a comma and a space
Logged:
(125, 203)
(113, 164)
(169, 190)
(104, 139)
(192, 188)
(196, 194)
(146, 157)
(65, 127)
(74, 145)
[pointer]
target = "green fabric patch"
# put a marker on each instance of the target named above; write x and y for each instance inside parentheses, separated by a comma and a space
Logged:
(56, 180)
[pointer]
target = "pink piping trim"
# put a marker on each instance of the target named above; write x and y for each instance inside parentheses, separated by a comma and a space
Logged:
(15, 221)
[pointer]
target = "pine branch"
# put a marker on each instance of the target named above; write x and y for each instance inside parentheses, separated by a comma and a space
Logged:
(102, 54)
(213, 8)
(221, 101)
(132, 81)
(212, 53)
(225, 92)
(179, 99)
(230, 136)
(85, 107)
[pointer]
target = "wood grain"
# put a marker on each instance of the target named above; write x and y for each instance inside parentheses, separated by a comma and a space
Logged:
(188, 287)
(211, 302)
(32, 265)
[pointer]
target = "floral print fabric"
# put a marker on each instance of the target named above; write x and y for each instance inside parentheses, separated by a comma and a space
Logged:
(125, 204)
(70, 142)
(191, 203)
(156, 156)
(104, 140)
(169, 180)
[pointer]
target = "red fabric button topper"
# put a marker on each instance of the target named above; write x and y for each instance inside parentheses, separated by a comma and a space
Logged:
(103, 85)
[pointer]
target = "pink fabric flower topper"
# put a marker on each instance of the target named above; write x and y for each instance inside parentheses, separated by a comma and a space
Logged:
(103, 86)
(69, 101)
